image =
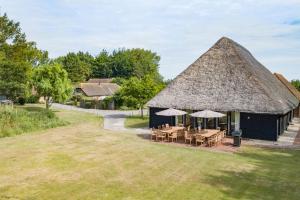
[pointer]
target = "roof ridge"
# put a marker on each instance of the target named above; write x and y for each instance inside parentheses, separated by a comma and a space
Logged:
(247, 68)
(261, 83)
(288, 85)
(186, 69)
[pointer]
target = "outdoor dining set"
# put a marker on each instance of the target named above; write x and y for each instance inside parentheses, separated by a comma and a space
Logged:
(208, 137)
(197, 136)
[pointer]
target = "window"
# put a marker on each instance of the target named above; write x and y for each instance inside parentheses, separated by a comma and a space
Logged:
(223, 122)
(232, 121)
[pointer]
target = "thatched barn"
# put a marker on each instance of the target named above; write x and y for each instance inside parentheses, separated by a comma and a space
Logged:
(292, 89)
(228, 79)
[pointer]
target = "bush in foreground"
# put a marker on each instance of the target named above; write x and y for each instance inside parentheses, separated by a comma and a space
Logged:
(14, 121)
(21, 101)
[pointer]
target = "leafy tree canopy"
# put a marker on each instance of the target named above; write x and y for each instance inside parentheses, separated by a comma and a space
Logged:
(136, 92)
(144, 62)
(296, 83)
(51, 82)
(78, 65)
(122, 63)
(14, 79)
(134, 62)
(102, 66)
(17, 57)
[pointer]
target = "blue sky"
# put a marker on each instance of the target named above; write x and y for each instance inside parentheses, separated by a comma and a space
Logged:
(179, 31)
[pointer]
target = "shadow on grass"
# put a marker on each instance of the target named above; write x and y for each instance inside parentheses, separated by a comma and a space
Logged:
(136, 122)
(275, 174)
(138, 125)
(35, 109)
(145, 136)
(32, 108)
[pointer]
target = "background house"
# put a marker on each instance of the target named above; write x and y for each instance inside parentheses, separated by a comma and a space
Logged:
(95, 91)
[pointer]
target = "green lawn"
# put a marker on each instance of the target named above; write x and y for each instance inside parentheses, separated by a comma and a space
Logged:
(83, 161)
(136, 122)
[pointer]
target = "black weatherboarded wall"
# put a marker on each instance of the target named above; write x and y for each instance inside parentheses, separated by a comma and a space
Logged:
(259, 126)
(156, 120)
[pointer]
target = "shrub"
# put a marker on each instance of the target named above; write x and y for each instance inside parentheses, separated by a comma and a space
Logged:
(21, 101)
(17, 121)
(87, 104)
(105, 102)
(75, 99)
(48, 113)
(32, 99)
(94, 104)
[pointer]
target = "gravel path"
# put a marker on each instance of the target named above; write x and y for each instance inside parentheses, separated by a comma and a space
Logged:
(114, 122)
(113, 119)
(297, 138)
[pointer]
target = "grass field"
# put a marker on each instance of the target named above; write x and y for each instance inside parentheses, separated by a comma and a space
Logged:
(136, 122)
(82, 161)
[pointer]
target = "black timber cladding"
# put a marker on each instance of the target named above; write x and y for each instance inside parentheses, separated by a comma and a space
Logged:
(263, 126)
(157, 120)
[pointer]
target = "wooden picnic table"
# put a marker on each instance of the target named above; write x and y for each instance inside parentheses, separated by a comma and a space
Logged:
(208, 132)
(172, 129)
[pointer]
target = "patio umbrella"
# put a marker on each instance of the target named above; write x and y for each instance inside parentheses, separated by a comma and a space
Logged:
(171, 112)
(207, 114)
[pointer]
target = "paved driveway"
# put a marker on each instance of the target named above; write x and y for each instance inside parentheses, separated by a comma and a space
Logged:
(113, 119)
(114, 122)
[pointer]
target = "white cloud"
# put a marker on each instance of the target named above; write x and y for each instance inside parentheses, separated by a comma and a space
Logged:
(178, 30)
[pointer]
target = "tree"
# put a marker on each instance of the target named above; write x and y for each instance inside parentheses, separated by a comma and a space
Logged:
(144, 62)
(296, 83)
(135, 62)
(14, 79)
(121, 64)
(102, 66)
(78, 65)
(136, 92)
(51, 82)
(125, 63)
(17, 58)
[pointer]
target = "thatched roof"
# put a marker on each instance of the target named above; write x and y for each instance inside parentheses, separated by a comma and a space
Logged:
(226, 78)
(289, 86)
(95, 89)
(100, 80)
